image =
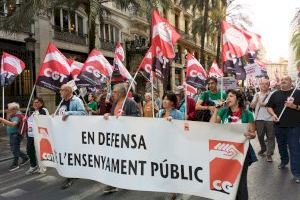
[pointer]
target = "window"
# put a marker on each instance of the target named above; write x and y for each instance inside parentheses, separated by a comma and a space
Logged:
(109, 33)
(176, 21)
(80, 25)
(57, 17)
(68, 21)
(186, 28)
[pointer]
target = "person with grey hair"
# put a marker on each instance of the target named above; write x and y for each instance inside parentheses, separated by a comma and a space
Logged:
(130, 109)
(263, 120)
(71, 105)
(118, 97)
(15, 138)
(147, 109)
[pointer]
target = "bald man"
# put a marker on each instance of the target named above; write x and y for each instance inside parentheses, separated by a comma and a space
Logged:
(263, 120)
(287, 128)
(71, 105)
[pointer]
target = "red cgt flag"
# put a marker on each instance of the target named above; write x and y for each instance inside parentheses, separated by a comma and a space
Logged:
(55, 70)
(164, 35)
(11, 67)
(119, 52)
(95, 71)
(190, 90)
(146, 64)
(215, 70)
(76, 68)
(235, 42)
(195, 73)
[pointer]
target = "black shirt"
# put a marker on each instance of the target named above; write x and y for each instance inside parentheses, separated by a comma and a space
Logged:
(290, 117)
(64, 107)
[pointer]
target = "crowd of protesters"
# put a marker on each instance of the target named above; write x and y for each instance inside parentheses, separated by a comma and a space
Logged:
(260, 108)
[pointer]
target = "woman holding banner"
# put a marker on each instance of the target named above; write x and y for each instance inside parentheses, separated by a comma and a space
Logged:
(169, 110)
(39, 109)
(235, 113)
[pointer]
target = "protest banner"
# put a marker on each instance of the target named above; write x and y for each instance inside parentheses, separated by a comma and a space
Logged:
(197, 158)
(228, 83)
(252, 70)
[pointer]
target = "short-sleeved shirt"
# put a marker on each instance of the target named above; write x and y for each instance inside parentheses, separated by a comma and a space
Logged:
(93, 105)
(240, 117)
(290, 117)
(13, 130)
(215, 97)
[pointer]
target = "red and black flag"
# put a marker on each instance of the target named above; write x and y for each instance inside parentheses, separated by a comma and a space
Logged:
(55, 70)
(95, 71)
(195, 73)
(164, 37)
(11, 67)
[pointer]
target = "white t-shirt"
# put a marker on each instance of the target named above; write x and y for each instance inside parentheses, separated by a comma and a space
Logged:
(261, 112)
(30, 121)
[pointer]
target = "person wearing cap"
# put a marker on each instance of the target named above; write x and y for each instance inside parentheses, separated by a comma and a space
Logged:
(181, 103)
(212, 94)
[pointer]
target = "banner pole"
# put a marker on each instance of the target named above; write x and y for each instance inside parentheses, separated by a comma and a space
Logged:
(152, 94)
(58, 107)
(27, 109)
(222, 87)
(3, 110)
(297, 82)
(131, 82)
(186, 104)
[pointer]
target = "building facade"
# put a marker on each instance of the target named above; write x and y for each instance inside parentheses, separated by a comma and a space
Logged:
(69, 31)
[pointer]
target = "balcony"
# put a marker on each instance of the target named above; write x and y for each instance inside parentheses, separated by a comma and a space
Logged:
(107, 45)
(67, 36)
(185, 36)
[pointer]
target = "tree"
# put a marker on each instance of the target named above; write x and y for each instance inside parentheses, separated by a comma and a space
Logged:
(295, 41)
(25, 12)
(211, 15)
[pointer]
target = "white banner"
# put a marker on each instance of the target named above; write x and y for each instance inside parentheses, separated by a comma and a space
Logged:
(228, 83)
(252, 70)
(197, 158)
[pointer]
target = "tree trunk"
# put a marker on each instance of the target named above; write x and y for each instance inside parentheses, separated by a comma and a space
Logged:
(218, 59)
(92, 35)
(203, 33)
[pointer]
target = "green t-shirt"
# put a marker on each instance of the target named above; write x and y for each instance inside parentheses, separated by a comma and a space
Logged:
(10, 129)
(93, 105)
(215, 97)
(246, 117)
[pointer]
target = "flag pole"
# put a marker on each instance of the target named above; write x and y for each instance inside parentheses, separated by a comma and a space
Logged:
(152, 94)
(222, 85)
(58, 106)
(186, 105)
(130, 86)
(27, 109)
(297, 82)
(3, 110)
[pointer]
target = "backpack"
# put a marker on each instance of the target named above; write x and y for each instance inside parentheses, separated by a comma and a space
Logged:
(21, 118)
(204, 115)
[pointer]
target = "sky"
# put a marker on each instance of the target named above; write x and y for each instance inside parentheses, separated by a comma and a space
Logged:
(271, 19)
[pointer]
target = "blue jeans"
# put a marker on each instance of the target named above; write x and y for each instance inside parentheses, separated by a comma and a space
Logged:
(14, 141)
(289, 138)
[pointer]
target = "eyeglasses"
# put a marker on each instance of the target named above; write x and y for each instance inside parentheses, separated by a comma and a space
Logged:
(36, 102)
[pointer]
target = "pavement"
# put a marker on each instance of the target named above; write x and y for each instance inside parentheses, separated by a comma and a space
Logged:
(265, 182)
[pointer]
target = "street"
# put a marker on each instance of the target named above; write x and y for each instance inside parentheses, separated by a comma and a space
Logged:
(266, 182)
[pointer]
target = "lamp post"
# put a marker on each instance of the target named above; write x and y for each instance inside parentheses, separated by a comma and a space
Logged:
(30, 46)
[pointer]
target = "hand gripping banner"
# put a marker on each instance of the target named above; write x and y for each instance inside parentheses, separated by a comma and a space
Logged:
(197, 158)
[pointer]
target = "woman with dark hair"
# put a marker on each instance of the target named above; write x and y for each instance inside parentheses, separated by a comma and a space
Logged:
(39, 109)
(92, 105)
(169, 110)
(235, 113)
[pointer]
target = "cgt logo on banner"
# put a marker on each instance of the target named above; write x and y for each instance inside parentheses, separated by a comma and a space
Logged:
(46, 151)
(230, 156)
